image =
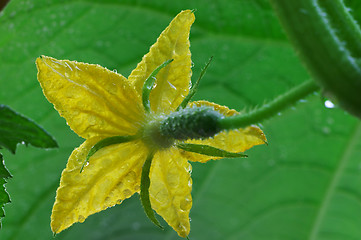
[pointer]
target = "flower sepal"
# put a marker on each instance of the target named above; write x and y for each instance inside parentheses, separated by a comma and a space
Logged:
(144, 191)
(149, 84)
(209, 150)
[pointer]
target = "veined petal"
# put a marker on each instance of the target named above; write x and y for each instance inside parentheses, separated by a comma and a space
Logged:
(112, 175)
(94, 100)
(173, 82)
(170, 189)
(238, 140)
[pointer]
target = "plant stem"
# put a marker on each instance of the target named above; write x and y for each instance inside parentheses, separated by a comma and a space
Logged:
(270, 109)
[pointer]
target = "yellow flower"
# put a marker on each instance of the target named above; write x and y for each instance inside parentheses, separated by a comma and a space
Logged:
(98, 104)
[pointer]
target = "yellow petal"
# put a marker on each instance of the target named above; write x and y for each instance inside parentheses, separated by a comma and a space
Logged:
(112, 175)
(170, 189)
(173, 82)
(93, 100)
(238, 140)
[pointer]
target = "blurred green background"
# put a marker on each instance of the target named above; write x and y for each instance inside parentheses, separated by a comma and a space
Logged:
(306, 184)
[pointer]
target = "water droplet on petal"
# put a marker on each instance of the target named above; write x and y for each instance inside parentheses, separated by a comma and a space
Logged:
(119, 185)
(130, 177)
(127, 193)
(185, 204)
(81, 218)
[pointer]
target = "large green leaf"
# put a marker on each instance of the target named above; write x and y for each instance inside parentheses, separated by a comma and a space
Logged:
(305, 184)
(4, 196)
(15, 128)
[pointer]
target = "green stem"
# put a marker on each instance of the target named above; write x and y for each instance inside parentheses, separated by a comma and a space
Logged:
(328, 40)
(270, 109)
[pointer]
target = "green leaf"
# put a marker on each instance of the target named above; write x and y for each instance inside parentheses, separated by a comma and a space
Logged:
(305, 185)
(4, 196)
(15, 128)
(4, 173)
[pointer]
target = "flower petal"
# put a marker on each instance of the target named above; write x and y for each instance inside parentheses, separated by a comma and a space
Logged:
(93, 100)
(113, 174)
(238, 140)
(173, 82)
(170, 189)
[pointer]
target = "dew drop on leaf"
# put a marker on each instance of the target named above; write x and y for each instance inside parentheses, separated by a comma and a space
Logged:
(329, 104)
(326, 130)
(136, 226)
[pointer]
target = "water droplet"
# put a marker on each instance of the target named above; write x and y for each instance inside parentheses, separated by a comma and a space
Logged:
(304, 11)
(136, 226)
(119, 185)
(329, 104)
(185, 204)
(130, 177)
(326, 130)
(181, 228)
(127, 193)
(171, 85)
(81, 218)
(330, 121)
(107, 200)
(188, 168)
(92, 120)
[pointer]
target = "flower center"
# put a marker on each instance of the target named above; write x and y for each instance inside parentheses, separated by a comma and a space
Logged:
(153, 137)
